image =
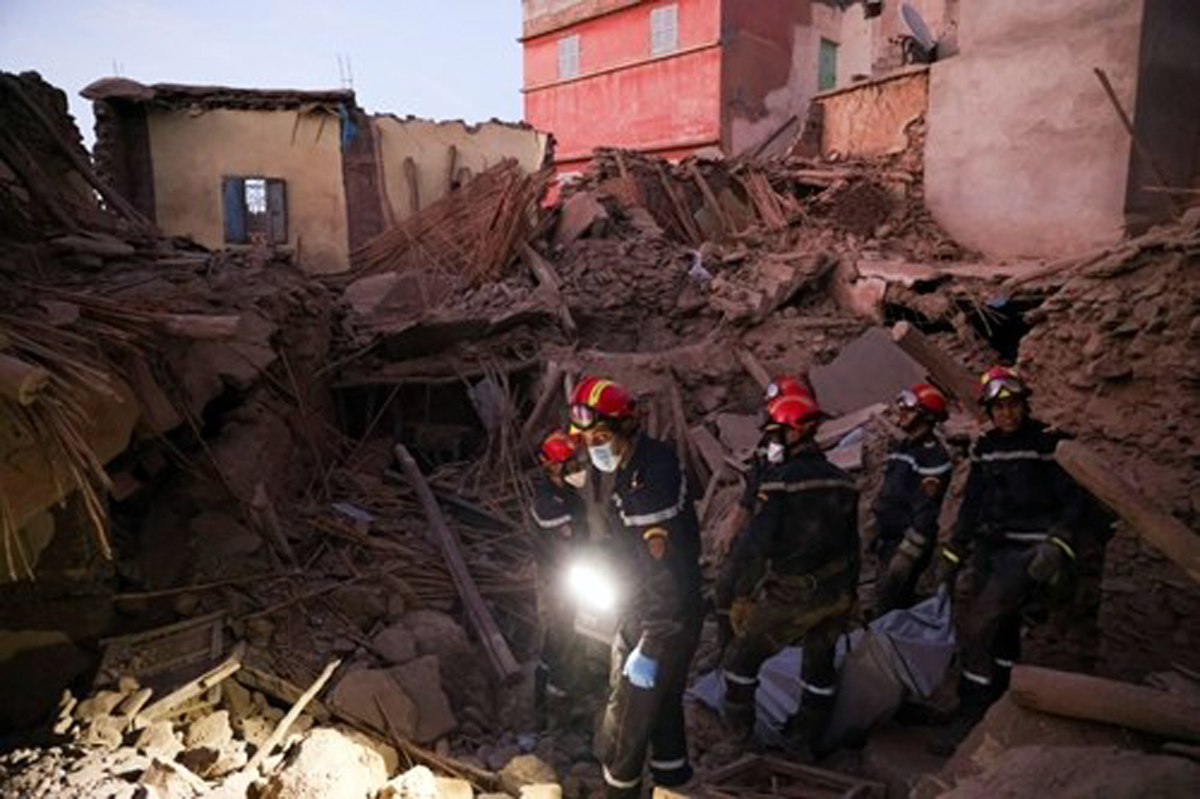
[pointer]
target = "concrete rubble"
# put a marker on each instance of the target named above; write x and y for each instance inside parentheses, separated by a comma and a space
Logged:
(255, 495)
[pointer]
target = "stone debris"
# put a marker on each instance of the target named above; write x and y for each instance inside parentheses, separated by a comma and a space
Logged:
(261, 404)
(327, 765)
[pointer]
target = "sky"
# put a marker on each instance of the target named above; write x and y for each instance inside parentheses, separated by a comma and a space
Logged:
(442, 59)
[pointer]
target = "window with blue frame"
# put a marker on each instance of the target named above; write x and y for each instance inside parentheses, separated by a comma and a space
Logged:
(255, 209)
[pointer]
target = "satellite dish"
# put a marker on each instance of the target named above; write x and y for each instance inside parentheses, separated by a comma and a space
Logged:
(923, 43)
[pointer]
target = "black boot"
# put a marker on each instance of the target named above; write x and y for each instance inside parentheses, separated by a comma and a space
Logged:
(738, 711)
(804, 731)
(974, 698)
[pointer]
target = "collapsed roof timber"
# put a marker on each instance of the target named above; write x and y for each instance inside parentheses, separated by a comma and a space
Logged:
(265, 458)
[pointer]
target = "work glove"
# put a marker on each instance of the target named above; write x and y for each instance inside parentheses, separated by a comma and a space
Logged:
(906, 555)
(639, 669)
(949, 565)
(1048, 559)
(739, 615)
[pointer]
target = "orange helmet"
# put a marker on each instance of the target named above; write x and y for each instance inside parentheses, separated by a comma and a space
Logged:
(925, 398)
(597, 399)
(797, 411)
(559, 447)
(1001, 382)
(785, 385)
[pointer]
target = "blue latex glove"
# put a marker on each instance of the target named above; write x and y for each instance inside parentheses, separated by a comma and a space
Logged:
(639, 669)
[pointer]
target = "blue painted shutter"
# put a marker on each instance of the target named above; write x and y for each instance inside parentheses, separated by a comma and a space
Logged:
(233, 195)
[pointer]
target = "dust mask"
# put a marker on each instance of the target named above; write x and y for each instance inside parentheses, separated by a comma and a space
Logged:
(603, 457)
(576, 479)
(775, 452)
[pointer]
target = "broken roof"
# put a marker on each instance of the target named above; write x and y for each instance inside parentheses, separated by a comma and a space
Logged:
(177, 95)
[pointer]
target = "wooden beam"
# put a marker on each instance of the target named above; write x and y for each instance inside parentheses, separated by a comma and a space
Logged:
(1160, 529)
(414, 187)
(548, 281)
(1082, 696)
(500, 656)
(191, 689)
(753, 367)
(550, 388)
(948, 373)
(286, 722)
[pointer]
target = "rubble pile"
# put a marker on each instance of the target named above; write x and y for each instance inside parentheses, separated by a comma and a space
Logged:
(320, 559)
(1112, 356)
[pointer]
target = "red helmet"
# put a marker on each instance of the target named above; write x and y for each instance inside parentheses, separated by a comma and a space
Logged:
(925, 398)
(559, 447)
(797, 411)
(786, 385)
(1001, 382)
(596, 399)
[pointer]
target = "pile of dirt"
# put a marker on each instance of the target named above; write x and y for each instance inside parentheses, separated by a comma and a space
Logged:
(1112, 359)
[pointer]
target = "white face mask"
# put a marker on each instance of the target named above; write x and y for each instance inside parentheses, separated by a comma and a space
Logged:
(576, 479)
(603, 457)
(775, 452)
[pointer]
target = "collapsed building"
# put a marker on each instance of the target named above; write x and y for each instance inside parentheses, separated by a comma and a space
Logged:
(269, 420)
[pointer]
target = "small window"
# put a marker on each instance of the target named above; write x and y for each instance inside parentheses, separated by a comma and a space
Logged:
(827, 65)
(664, 29)
(568, 57)
(255, 210)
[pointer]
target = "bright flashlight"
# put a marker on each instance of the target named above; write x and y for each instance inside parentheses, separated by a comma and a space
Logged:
(592, 586)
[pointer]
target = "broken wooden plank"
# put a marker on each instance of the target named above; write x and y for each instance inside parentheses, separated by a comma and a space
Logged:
(500, 656)
(545, 401)
(286, 722)
(549, 283)
(948, 373)
(1082, 696)
(753, 367)
(724, 225)
(198, 326)
(711, 450)
(414, 186)
(191, 689)
(1160, 529)
(21, 381)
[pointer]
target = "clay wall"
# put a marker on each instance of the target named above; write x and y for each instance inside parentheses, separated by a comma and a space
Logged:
(871, 118)
(429, 143)
(1020, 130)
(191, 154)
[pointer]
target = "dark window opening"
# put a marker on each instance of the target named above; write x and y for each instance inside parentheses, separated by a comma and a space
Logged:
(255, 210)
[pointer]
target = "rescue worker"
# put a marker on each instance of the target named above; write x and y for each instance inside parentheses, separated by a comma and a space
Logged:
(743, 512)
(915, 478)
(657, 545)
(558, 510)
(794, 575)
(1014, 538)
(784, 385)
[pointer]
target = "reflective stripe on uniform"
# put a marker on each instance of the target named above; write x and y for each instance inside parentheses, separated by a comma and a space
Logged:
(1015, 455)
(978, 679)
(549, 524)
(808, 485)
(668, 765)
(917, 467)
(1028, 537)
(819, 690)
(658, 517)
(740, 680)
(616, 783)
(1002, 663)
